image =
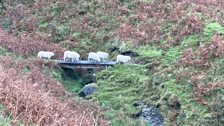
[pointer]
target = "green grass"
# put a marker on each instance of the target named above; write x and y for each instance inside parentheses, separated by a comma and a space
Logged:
(73, 81)
(211, 29)
(118, 87)
(150, 52)
(72, 84)
(6, 121)
(189, 108)
(171, 55)
(191, 41)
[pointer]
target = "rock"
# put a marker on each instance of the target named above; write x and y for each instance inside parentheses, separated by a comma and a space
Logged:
(149, 113)
(152, 115)
(88, 90)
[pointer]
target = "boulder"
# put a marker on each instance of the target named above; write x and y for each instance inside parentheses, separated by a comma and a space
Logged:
(88, 90)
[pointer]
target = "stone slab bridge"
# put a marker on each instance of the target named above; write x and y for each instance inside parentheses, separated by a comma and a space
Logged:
(85, 64)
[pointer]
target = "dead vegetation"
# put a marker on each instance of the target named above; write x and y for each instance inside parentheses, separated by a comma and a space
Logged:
(28, 44)
(37, 99)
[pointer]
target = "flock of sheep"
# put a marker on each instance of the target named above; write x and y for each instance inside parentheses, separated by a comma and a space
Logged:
(73, 56)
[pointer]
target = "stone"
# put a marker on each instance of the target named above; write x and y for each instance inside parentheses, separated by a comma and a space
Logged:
(88, 89)
(151, 114)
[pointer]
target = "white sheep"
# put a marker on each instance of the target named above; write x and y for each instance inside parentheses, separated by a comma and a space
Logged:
(123, 59)
(45, 55)
(75, 56)
(71, 55)
(103, 56)
(93, 56)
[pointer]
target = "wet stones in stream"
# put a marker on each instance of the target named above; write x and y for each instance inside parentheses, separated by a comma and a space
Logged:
(150, 114)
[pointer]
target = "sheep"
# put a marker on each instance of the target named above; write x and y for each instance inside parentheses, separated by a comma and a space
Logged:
(123, 59)
(71, 55)
(103, 56)
(93, 56)
(75, 56)
(44, 54)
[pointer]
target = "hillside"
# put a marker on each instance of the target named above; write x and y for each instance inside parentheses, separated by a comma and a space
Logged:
(177, 47)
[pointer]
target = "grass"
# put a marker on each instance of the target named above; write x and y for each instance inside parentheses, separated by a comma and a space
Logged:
(119, 87)
(6, 121)
(191, 41)
(72, 84)
(150, 52)
(189, 108)
(171, 56)
(211, 29)
(72, 80)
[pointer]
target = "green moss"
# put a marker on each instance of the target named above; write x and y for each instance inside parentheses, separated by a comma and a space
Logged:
(211, 29)
(72, 80)
(2, 51)
(171, 56)
(76, 35)
(60, 30)
(193, 112)
(150, 52)
(73, 84)
(191, 41)
(190, 109)
(118, 87)
(55, 10)
(218, 74)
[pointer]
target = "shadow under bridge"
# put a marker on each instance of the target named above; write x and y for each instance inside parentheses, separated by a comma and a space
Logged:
(85, 64)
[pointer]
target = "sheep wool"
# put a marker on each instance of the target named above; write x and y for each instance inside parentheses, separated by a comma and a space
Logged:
(123, 58)
(93, 57)
(45, 55)
(103, 56)
(71, 55)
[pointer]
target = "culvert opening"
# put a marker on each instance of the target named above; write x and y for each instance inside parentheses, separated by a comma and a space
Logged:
(75, 80)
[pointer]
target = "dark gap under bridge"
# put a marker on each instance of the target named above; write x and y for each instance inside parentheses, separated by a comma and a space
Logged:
(85, 64)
